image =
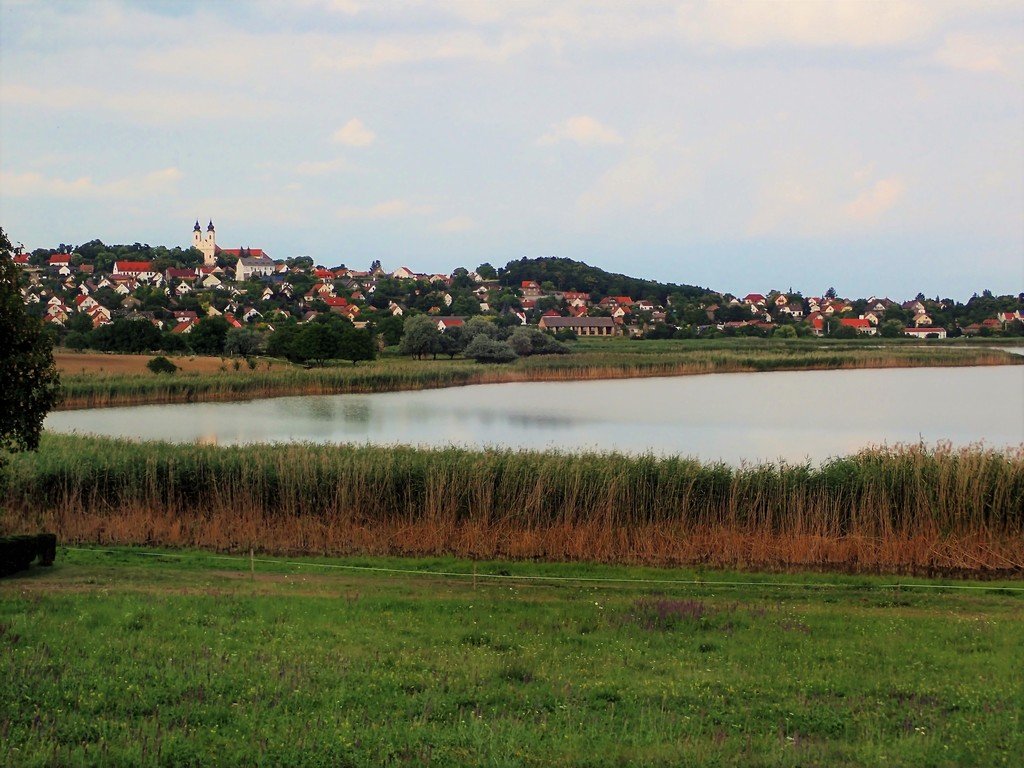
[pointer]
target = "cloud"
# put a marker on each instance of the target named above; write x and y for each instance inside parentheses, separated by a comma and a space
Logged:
(870, 204)
(583, 130)
(355, 134)
(389, 209)
(456, 224)
(33, 184)
(149, 107)
(822, 203)
(983, 56)
(740, 24)
(321, 167)
(398, 49)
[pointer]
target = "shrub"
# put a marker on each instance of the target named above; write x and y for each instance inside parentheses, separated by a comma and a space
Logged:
(161, 365)
(485, 350)
(18, 552)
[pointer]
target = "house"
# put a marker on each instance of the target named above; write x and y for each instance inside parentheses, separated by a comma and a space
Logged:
(396, 310)
(59, 261)
(335, 304)
(404, 273)
(185, 326)
(753, 298)
(582, 326)
(530, 289)
(922, 320)
(576, 298)
(140, 270)
(174, 273)
(232, 320)
(862, 325)
(925, 332)
(249, 266)
(444, 323)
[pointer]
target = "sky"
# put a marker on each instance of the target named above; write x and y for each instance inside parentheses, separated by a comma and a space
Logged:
(877, 147)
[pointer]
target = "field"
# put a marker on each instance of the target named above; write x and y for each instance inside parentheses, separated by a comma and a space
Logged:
(72, 364)
(97, 380)
(909, 509)
(119, 658)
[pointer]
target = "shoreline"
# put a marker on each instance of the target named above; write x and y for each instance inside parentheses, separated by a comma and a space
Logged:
(129, 390)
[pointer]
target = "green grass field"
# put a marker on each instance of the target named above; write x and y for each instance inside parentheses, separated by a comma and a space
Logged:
(189, 659)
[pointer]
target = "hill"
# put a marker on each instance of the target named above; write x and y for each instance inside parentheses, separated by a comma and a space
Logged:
(570, 275)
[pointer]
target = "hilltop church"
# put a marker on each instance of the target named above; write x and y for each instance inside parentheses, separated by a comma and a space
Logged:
(252, 262)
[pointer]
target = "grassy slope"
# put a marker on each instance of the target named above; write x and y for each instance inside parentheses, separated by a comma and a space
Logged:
(92, 382)
(118, 659)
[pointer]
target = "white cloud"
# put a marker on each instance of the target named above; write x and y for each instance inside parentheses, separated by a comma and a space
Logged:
(824, 203)
(355, 134)
(974, 54)
(399, 49)
(835, 23)
(389, 209)
(321, 167)
(583, 130)
(33, 184)
(456, 224)
(872, 203)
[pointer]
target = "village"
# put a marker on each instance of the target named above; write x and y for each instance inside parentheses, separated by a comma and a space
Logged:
(82, 289)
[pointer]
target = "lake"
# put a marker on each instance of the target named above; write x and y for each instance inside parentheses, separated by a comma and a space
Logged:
(797, 416)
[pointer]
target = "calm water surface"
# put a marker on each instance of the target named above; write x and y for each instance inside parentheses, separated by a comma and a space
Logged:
(734, 417)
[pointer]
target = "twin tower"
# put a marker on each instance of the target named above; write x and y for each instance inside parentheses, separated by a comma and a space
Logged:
(207, 243)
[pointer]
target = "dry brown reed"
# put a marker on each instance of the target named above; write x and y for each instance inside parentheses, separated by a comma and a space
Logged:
(910, 509)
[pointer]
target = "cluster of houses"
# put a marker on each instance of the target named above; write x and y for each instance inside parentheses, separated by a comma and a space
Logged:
(223, 285)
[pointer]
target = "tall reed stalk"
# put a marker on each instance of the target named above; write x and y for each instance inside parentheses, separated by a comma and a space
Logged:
(904, 509)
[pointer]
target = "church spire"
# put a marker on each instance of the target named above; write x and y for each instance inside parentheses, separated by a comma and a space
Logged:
(210, 227)
(197, 228)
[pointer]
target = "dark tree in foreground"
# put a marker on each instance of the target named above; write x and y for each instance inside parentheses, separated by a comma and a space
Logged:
(29, 384)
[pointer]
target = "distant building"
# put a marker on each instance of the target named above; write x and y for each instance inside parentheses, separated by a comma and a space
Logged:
(207, 243)
(582, 326)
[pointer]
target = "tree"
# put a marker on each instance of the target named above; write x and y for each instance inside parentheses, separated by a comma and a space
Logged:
(208, 336)
(485, 350)
(29, 383)
(243, 342)
(420, 337)
(891, 329)
(785, 332)
(487, 272)
(452, 341)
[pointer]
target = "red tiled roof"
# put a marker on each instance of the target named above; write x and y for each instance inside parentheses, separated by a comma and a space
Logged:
(125, 267)
(59, 258)
(855, 322)
(21, 258)
(330, 301)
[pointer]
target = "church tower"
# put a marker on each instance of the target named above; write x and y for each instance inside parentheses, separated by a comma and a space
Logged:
(207, 243)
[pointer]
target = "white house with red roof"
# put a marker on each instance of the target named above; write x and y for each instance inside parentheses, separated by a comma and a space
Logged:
(861, 324)
(140, 270)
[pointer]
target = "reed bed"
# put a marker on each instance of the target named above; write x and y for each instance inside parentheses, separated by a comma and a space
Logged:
(614, 360)
(909, 509)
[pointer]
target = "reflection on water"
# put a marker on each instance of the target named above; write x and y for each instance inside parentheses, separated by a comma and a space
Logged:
(735, 417)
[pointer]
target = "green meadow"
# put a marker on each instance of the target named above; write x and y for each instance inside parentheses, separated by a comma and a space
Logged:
(140, 657)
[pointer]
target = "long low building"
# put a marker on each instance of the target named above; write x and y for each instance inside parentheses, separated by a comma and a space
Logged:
(582, 326)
